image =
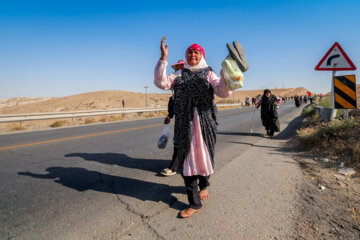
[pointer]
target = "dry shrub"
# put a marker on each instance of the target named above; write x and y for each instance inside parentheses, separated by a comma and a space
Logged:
(103, 119)
(337, 140)
(320, 136)
(164, 113)
(114, 118)
(308, 136)
(89, 121)
(151, 114)
(156, 114)
(57, 124)
(336, 128)
(18, 127)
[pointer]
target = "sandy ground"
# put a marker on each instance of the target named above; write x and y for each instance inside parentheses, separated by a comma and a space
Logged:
(329, 202)
(331, 213)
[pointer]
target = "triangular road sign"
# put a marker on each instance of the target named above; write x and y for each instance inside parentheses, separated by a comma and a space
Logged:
(335, 60)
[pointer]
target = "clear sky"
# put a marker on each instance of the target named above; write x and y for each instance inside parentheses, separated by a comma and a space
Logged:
(59, 48)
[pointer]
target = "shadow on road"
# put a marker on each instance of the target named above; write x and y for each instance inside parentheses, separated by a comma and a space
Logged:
(82, 179)
(253, 145)
(152, 165)
(290, 130)
(241, 134)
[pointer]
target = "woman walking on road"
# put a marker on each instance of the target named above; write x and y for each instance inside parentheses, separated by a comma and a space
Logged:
(297, 101)
(195, 119)
(269, 115)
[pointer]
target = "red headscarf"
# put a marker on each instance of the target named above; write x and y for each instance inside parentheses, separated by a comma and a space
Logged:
(196, 47)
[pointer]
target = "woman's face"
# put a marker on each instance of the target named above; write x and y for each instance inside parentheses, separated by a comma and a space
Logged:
(267, 94)
(193, 57)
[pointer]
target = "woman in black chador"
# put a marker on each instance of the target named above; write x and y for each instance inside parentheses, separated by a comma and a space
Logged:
(269, 115)
(297, 101)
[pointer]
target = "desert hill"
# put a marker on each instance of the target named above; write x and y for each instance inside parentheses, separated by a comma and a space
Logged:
(112, 99)
(20, 101)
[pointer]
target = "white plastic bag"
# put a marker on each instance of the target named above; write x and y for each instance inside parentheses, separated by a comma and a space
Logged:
(164, 137)
(233, 76)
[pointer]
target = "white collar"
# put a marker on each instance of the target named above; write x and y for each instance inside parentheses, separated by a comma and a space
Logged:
(200, 65)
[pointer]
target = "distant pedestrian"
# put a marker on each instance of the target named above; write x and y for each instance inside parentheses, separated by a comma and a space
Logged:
(253, 100)
(297, 101)
(305, 99)
(171, 170)
(269, 114)
(247, 101)
(123, 103)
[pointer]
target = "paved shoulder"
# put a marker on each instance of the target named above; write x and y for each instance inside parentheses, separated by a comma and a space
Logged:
(253, 197)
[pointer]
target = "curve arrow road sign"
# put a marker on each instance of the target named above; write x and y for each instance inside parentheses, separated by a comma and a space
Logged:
(335, 60)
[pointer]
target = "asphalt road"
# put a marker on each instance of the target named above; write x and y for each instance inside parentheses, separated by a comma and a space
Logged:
(100, 180)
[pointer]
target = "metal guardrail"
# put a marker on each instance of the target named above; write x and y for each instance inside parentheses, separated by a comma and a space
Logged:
(59, 115)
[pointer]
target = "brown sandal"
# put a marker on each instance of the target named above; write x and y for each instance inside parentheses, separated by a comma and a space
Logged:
(186, 213)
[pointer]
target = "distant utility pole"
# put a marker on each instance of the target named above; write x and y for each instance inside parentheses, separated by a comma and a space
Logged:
(146, 87)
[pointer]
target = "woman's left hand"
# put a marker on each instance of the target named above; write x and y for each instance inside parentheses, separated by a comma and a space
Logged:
(167, 120)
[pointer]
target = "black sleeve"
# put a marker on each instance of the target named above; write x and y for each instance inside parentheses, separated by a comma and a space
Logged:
(171, 108)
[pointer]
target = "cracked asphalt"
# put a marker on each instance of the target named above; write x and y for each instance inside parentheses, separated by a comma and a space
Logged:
(108, 186)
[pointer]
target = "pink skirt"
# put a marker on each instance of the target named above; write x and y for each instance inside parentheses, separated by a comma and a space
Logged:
(198, 160)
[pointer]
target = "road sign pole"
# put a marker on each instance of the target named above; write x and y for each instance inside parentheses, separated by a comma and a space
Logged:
(332, 90)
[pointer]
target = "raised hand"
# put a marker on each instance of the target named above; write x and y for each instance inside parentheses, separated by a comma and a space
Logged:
(164, 49)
